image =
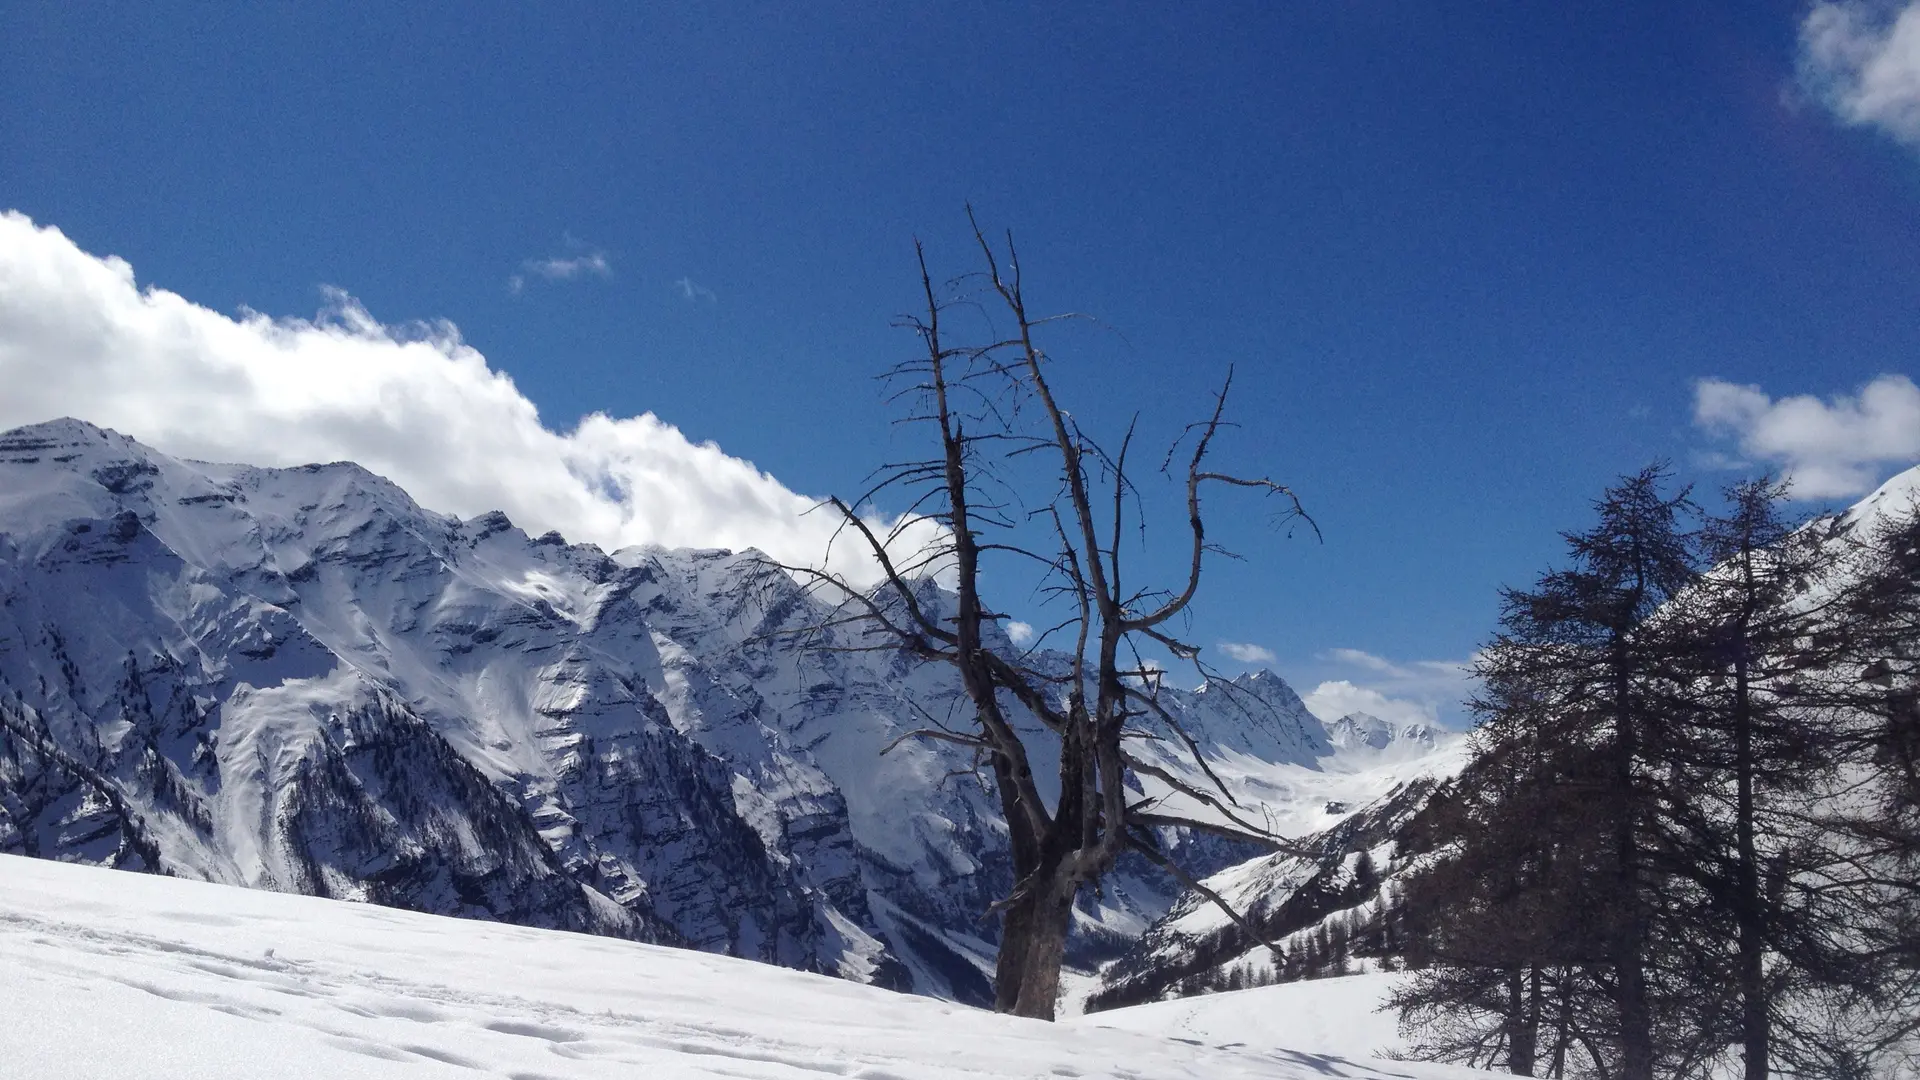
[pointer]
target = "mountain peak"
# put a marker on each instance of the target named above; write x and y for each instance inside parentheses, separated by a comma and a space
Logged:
(1899, 494)
(64, 433)
(1365, 731)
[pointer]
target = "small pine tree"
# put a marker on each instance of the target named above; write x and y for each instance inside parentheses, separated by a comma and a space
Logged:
(1366, 877)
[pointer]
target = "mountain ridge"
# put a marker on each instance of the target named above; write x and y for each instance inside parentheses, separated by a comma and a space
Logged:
(271, 669)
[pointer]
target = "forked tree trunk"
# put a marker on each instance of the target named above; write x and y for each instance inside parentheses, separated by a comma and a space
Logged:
(1033, 946)
(1034, 922)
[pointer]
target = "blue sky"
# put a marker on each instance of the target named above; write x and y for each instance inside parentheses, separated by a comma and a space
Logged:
(1468, 261)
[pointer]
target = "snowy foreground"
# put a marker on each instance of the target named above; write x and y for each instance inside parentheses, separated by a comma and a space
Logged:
(1339, 1017)
(129, 976)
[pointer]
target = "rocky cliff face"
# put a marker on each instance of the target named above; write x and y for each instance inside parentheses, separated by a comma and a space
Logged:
(297, 679)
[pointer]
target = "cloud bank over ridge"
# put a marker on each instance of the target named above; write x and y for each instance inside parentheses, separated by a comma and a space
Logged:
(1416, 692)
(79, 337)
(1837, 447)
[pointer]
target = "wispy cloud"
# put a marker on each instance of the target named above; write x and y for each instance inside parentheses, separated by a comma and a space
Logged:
(1361, 658)
(1861, 59)
(1019, 633)
(1414, 690)
(1840, 446)
(79, 337)
(1248, 654)
(693, 291)
(583, 263)
(1336, 698)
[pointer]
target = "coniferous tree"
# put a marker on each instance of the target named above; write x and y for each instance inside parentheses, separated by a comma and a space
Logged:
(1751, 749)
(1693, 817)
(1582, 644)
(1568, 862)
(1366, 876)
(1513, 902)
(1875, 870)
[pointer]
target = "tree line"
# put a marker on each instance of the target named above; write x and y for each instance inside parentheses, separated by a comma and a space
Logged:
(1689, 838)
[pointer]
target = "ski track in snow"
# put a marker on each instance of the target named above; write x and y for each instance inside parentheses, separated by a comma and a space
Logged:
(106, 974)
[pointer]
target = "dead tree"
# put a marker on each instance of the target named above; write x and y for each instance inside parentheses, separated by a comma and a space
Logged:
(993, 409)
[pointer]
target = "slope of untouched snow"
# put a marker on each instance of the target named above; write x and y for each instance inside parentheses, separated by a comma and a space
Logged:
(132, 977)
(1339, 1016)
(1298, 800)
(1898, 495)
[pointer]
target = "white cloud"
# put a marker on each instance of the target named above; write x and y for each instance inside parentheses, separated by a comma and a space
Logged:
(1392, 690)
(692, 290)
(1336, 698)
(1019, 633)
(414, 403)
(1362, 658)
(1861, 59)
(1248, 654)
(1841, 446)
(562, 267)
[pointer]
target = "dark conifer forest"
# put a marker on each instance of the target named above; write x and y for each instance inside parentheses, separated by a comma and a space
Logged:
(1688, 842)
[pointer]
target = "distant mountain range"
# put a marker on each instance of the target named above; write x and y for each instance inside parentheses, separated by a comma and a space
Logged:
(299, 680)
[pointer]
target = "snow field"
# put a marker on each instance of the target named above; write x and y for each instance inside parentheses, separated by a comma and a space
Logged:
(1337, 1016)
(120, 976)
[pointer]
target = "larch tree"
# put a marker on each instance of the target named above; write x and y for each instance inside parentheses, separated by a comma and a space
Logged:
(1567, 824)
(1585, 641)
(1749, 749)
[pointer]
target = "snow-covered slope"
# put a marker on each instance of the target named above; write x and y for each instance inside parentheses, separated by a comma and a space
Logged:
(297, 679)
(122, 977)
(1340, 1016)
(1899, 496)
(1338, 873)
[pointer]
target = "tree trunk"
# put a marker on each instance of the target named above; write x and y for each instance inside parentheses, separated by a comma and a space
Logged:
(1523, 1020)
(1563, 1021)
(1033, 945)
(1629, 945)
(1636, 1017)
(1748, 912)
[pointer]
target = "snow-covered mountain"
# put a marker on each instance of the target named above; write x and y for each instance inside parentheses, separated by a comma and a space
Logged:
(1370, 739)
(299, 680)
(1341, 872)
